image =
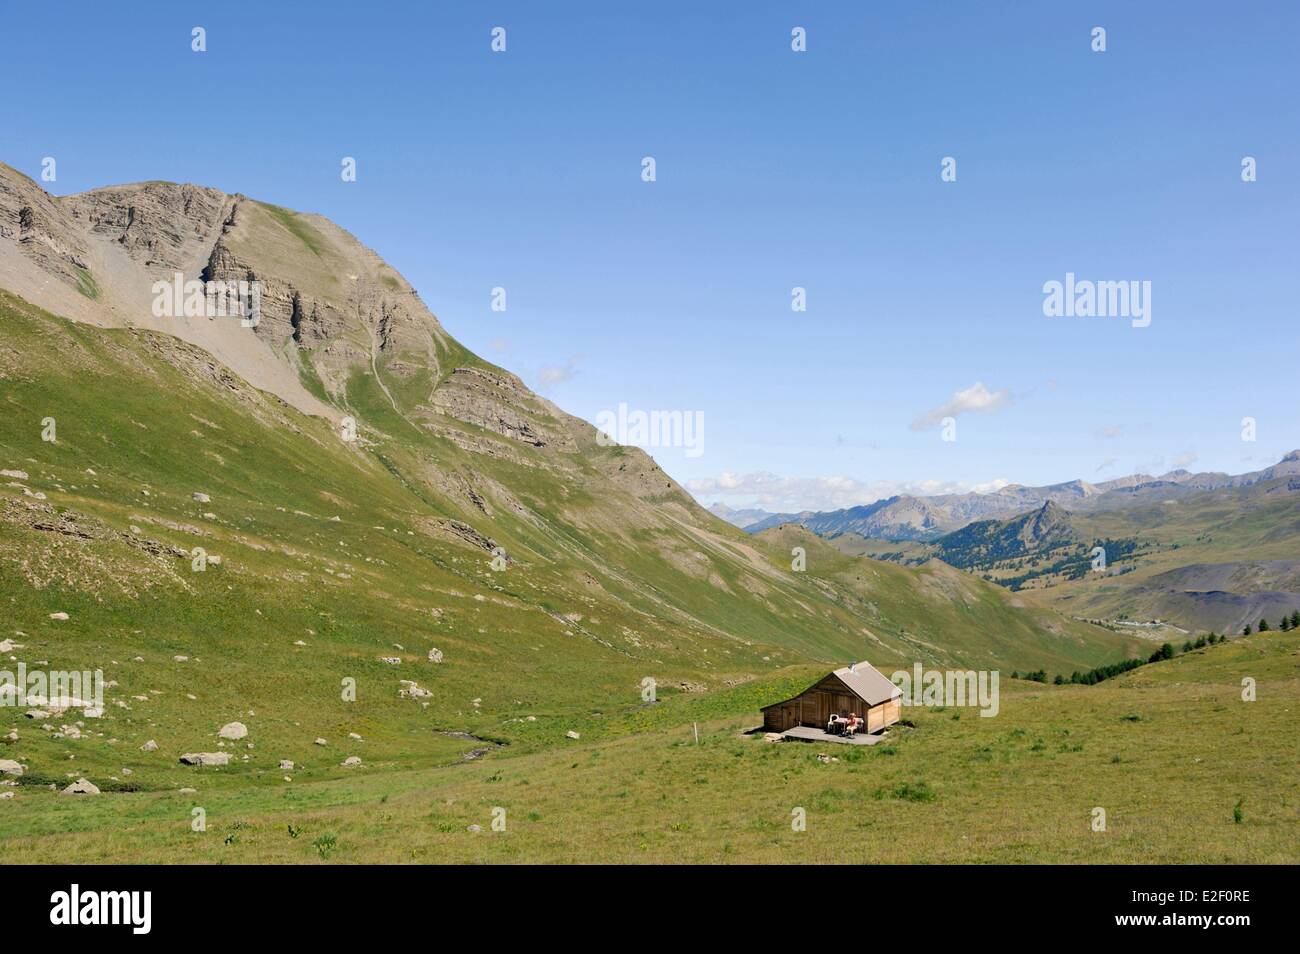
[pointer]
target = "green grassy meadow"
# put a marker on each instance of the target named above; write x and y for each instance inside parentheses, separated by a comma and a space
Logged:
(1170, 752)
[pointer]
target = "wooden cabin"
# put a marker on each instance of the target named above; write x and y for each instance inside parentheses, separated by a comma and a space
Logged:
(859, 689)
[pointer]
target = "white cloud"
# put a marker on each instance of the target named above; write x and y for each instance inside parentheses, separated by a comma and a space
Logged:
(549, 375)
(975, 399)
(991, 486)
(1166, 463)
(779, 494)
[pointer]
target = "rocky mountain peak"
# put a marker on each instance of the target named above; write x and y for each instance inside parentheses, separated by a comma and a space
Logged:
(339, 329)
(330, 308)
(162, 226)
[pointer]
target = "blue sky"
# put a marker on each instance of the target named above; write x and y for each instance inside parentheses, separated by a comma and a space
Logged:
(775, 169)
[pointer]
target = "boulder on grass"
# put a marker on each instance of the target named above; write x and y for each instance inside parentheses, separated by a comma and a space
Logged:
(233, 731)
(206, 758)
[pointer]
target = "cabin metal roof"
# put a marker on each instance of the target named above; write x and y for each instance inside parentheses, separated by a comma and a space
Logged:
(862, 679)
(868, 683)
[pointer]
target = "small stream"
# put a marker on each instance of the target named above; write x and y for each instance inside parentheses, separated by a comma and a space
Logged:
(475, 753)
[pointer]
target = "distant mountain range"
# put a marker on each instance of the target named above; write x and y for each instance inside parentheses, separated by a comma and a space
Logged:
(1206, 551)
(738, 518)
(907, 517)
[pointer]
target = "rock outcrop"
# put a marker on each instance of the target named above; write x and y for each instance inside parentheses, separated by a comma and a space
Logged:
(206, 758)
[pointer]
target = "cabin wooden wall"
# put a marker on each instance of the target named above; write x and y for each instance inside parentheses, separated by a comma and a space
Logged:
(781, 717)
(892, 713)
(829, 697)
(875, 718)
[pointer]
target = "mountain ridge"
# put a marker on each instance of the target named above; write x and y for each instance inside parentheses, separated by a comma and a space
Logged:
(905, 517)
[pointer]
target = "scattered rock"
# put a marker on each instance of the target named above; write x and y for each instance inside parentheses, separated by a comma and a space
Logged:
(233, 731)
(413, 691)
(353, 735)
(15, 474)
(321, 742)
(474, 828)
(10, 767)
(435, 655)
(59, 616)
(201, 498)
(771, 736)
(81, 787)
(286, 765)
(352, 761)
(206, 758)
(391, 660)
(150, 746)
(572, 735)
(188, 791)
(4, 795)
(180, 659)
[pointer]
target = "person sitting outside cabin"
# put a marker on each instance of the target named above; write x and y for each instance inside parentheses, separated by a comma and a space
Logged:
(852, 725)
